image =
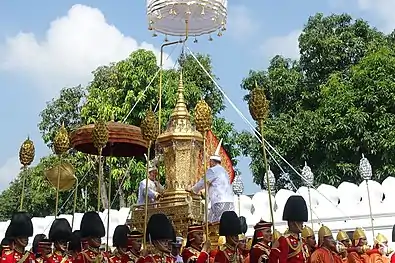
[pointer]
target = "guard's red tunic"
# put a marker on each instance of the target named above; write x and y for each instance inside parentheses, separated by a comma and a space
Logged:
(288, 249)
(13, 256)
(259, 253)
(228, 254)
(57, 257)
(89, 255)
(119, 258)
(159, 259)
(194, 255)
(136, 257)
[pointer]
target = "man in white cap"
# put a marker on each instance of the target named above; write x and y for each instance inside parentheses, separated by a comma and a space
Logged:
(220, 191)
(154, 187)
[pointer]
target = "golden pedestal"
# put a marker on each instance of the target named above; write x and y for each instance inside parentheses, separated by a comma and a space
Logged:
(180, 213)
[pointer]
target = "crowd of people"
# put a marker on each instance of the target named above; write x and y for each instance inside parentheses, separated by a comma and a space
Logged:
(298, 244)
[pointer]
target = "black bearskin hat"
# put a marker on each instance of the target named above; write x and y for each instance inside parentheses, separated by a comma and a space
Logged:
(75, 241)
(92, 225)
(243, 224)
(159, 227)
(393, 233)
(229, 224)
(295, 209)
(120, 237)
(21, 225)
(8, 233)
(60, 230)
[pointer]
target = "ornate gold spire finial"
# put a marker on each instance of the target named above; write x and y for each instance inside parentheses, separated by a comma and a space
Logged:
(180, 110)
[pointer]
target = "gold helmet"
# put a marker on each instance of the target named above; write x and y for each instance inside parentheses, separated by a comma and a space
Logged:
(341, 236)
(380, 239)
(307, 232)
(323, 232)
(357, 235)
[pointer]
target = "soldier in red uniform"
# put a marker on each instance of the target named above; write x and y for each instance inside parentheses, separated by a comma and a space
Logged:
(7, 243)
(193, 251)
(44, 249)
(120, 242)
(243, 238)
(160, 233)
(134, 246)
(260, 250)
(92, 230)
(20, 229)
(229, 226)
(289, 248)
(60, 234)
(75, 246)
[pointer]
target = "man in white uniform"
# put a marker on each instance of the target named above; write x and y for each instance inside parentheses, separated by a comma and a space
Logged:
(154, 187)
(220, 191)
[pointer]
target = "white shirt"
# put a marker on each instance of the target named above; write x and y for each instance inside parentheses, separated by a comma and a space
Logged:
(153, 188)
(219, 187)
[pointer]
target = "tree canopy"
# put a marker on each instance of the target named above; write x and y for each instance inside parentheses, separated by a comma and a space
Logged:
(113, 91)
(330, 106)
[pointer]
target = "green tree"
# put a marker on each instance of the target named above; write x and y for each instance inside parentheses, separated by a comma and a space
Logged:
(314, 116)
(113, 91)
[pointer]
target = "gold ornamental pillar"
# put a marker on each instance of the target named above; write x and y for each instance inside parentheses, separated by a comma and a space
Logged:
(180, 145)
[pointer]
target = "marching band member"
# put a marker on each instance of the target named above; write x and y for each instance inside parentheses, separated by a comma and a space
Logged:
(59, 234)
(326, 251)
(42, 248)
(20, 229)
(229, 227)
(7, 243)
(343, 238)
(75, 246)
(160, 233)
(92, 230)
(289, 248)
(35, 249)
(120, 242)
(194, 252)
(261, 242)
(308, 239)
(219, 188)
(154, 187)
(243, 239)
(359, 248)
(380, 252)
(393, 240)
(134, 246)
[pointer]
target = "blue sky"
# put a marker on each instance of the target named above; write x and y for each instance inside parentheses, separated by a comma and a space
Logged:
(44, 47)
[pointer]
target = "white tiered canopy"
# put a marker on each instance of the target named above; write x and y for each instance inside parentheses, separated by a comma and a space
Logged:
(169, 16)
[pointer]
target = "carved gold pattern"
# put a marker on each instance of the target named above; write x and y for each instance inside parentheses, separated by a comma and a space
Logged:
(180, 145)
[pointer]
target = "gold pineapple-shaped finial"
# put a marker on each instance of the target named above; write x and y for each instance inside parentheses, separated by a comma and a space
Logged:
(27, 152)
(149, 126)
(203, 116)
(100, 134)
(258, 104)
(61, 141)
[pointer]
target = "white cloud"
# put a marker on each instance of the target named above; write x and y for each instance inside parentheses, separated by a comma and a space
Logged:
(74, 46)
(287, 46)
(8, 172)
(383, 11)
(240, 22)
